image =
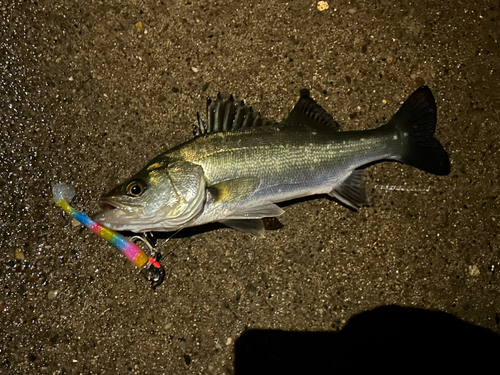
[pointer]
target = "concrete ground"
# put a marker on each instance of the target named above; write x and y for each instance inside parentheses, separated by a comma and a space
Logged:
(91, 91)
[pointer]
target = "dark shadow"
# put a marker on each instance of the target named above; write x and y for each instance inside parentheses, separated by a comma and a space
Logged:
(186, 232)
(314, 197)
(270, 223)
(386, 339)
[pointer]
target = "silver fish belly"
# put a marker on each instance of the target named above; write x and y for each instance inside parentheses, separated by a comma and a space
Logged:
(240, 165)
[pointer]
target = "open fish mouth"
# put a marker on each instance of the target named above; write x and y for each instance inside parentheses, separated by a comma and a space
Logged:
(105, 206)
(110, 216)
(114, 214)
(120, 216)
(108, 204)
(125, 220)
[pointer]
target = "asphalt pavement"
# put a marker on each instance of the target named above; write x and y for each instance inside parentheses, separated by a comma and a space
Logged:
(90, 91)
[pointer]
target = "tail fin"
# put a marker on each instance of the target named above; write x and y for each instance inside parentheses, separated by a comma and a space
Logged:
(415, 123)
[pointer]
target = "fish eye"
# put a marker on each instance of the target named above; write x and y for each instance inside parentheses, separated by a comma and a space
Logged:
(136, 188)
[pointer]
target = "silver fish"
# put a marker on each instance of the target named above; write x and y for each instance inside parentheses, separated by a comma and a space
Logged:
(240, 164)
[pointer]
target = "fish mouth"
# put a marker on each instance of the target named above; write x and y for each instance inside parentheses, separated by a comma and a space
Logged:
(123, 220)
(110, 217)
(105, 206)
(108, 204)
(123, 216)
(114, 214)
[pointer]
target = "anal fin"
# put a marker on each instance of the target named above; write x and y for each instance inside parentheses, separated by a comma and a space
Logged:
(351, 192)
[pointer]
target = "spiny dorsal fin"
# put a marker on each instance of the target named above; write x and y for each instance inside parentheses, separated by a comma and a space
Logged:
(228, 115)
(309, 113)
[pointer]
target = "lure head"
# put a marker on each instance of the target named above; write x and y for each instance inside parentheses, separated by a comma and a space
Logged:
(164, 196)
(155, 272)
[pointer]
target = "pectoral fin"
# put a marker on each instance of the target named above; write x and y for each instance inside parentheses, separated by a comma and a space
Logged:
(266, 210)
(352, 192)
(233, 191)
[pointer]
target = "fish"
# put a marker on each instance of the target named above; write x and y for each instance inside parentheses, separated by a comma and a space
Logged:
(239, 165)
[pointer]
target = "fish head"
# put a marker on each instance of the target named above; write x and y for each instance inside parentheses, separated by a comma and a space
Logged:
(163, 196)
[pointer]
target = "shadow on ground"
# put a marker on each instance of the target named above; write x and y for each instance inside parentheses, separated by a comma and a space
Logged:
(390, 338)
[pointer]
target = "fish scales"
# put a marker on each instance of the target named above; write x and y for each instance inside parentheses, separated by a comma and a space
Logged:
(240, 164)
(280, 154)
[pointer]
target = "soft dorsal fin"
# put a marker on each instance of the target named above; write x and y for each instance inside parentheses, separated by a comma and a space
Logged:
(309, 113)
(228, 115)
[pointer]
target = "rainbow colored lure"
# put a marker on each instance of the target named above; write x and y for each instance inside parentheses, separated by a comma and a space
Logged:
(62, 195)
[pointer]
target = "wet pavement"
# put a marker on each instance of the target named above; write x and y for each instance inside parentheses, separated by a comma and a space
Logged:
(91, 92)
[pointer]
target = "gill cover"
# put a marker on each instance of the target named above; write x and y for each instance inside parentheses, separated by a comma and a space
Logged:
(179, 193)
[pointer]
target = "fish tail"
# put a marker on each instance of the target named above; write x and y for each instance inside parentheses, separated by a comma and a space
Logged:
(413, 129)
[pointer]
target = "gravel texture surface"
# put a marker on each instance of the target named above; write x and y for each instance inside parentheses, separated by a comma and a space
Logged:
(90, 91)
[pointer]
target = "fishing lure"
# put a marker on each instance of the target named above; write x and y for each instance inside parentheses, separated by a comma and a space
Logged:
(154, 271)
